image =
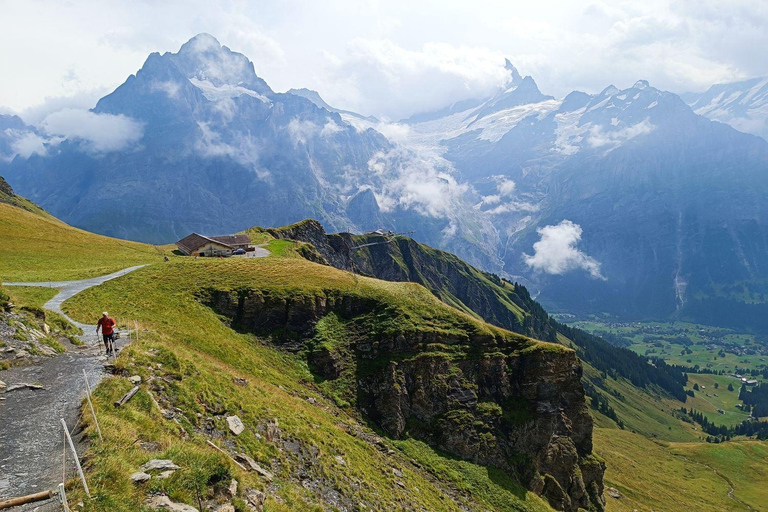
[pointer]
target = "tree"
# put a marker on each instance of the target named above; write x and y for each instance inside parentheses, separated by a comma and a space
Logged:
(695, 387)
(717, 385)
(730, 386)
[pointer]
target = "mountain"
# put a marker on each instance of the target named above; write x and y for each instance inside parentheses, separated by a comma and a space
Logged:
(315, 98)
(196, 141)
(743, 105)
(625, 202)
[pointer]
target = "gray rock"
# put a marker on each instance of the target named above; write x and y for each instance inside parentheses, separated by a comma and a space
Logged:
(232, 488)
(2, 385)
(613, 492)
(226, 507)
(253, 466)
(165, 474)
(140, 477)
(235, 425)
(165, 503)
(159, 465)
(135, 379)
(255, 500)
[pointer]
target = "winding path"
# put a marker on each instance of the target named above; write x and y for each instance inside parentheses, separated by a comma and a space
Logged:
(30, 433)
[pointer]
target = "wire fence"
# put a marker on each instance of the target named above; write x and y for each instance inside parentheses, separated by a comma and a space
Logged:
(71, 473)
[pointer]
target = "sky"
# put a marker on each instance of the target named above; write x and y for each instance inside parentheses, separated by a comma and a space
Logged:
(388, 58)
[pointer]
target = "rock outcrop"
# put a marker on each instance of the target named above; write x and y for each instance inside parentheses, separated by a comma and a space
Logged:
(494, 398)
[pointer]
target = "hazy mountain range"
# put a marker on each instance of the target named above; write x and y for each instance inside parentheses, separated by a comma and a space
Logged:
(628, 201)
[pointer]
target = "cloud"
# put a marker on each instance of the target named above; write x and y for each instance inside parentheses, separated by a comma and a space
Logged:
(100, 133)
(413, 181)
(504, 185)
(84, 100)
(556, 252)
(381, 77)
(28, 144)
(242, 148)
(330, 129)
(302, 131)
(599, 138)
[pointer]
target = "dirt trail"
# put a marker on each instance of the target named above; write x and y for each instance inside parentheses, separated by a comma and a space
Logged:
(31, 441)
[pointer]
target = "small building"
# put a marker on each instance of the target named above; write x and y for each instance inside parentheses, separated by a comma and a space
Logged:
(751, 382)
(200, 245)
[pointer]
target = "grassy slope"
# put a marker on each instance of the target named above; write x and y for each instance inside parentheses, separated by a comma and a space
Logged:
(38, 247)
(200, 354)
(680, 477)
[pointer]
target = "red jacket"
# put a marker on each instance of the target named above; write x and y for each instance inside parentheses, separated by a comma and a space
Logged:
(106, 325)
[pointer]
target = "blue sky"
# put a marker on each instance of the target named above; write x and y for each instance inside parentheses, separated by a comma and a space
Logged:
(387, 58)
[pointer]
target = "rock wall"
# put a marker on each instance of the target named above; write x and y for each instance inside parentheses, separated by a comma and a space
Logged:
(492, 400)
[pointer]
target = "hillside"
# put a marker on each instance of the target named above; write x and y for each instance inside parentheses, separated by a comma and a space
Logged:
(363, 394)
(485, 295)
(38, 247)
(390, 352)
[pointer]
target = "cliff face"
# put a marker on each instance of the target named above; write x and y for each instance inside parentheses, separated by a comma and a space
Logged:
(491, 397)
(450, 278)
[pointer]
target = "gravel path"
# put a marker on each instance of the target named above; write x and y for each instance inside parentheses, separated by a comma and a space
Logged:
(31, 441)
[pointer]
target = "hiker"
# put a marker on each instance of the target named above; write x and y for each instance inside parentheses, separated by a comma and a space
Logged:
(107, 324)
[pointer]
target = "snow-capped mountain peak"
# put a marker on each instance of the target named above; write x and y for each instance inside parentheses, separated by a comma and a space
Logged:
(743, 105)
(208, 62)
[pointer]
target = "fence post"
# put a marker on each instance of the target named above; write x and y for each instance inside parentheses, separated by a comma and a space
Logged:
(77, 460)
(90, 404)
(63, 497)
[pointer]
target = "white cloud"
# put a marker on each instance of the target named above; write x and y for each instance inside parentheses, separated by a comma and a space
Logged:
(504, 185)
(28, 144)
(556, 252)
(301, 131)
(330, 129)
(412, 181)
(242, 148)
(599, 138)
(383, 78)
(100, 133)
(170, 88)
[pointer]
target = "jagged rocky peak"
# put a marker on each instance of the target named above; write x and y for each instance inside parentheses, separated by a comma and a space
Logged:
(204, 59)
(312, 96)
(641, 84)
(514, 73)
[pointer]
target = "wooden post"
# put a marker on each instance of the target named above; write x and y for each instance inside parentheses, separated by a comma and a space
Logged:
(77, 460)
(90, 404)
(127, 396)
(22, 500)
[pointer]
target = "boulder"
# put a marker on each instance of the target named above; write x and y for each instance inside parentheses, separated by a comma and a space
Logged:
(232, 488)
(140, 477)
(159, 465)
(613, 492)
(255, 500)
(235, 425)
(165, 503)
(135, 379)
